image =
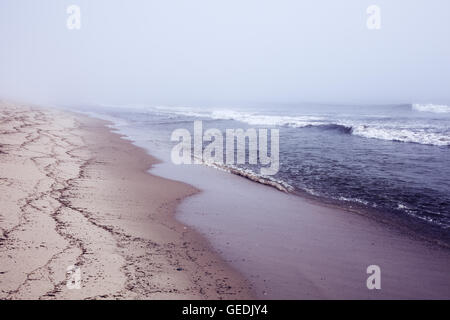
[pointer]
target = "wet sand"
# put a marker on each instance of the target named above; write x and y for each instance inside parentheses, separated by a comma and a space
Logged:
(74, 194)
(294, 248)
(290, 247)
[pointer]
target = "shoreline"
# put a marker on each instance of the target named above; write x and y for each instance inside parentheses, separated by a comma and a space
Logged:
(413, 225)
(234, 239)
(291, 247)
(76, 193)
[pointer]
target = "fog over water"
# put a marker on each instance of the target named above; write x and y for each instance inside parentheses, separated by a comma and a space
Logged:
(204, 53)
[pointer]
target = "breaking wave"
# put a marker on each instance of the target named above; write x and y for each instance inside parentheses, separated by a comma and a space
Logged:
(420, 135)
(251, 175)
(434, 108)
(382, 128)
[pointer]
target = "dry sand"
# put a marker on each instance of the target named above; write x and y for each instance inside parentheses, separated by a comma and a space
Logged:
(73, 193)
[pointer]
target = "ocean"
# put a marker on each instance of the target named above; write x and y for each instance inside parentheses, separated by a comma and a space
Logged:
(391, 162)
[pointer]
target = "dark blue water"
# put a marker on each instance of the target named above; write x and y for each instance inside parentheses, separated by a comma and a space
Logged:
(390, 161)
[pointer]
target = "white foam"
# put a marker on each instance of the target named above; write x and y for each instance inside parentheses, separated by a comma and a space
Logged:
(434, 108)
(392, 130)
(251, 175)
(421, 136)
(251, 118)
(268, 120)
(353, 200)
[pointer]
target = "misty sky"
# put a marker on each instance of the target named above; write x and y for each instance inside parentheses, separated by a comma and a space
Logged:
(208, 52)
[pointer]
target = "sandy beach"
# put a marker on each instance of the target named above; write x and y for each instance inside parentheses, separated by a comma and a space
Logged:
(74, 194)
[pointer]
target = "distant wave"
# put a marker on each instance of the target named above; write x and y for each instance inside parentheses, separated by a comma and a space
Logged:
(364, 126)
(434, 108)
(336, 127)
(268, 120)
(251, 118)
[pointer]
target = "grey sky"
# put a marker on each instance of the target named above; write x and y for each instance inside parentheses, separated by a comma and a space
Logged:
(224, 51)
